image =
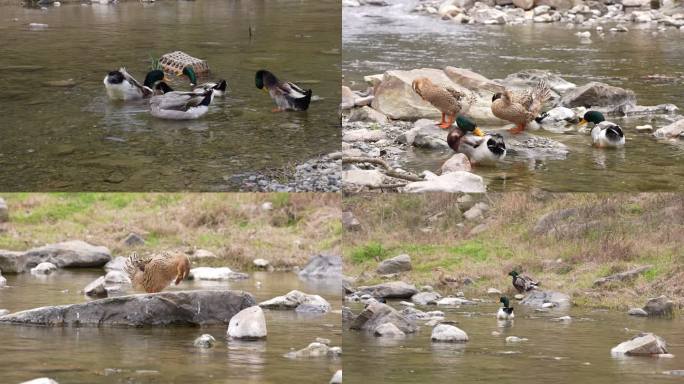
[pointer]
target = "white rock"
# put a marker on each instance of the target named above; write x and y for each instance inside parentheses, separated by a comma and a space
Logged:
(43, 269)
(453, 301)
(363, 135)
(457, 162)
(96, 288)
(671, 131)
(42, 380)
(260, 263)
(548, 305)
(117, 277)
(250, 323)
(493, 291)
(515, 339)
(644, 128)
(388, 330)
(448, 333)
(204, 341)
(299, 301)
(370, 178)
(642, 344)
(337, 377)
(458, 181)
(211, 273)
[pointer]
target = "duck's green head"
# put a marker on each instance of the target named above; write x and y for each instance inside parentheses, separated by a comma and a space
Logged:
(513, 273)
(264, 79)
(592, 117)
(504, 301)
(153, 77)
(467, 125)
(190, 73)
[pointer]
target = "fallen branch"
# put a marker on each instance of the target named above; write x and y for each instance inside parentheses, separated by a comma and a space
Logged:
(387, 170)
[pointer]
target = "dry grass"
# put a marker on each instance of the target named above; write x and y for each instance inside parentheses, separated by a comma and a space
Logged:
(233, 226)
(608, 233)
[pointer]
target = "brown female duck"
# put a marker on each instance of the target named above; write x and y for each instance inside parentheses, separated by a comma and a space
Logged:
(520, 107)
(156, 273)
(448, 100)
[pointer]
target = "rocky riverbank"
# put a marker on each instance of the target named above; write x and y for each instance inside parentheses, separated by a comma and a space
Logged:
(387, 120)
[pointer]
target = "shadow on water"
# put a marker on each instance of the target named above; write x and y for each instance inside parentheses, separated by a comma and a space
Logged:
(163, 354)
(71, 137)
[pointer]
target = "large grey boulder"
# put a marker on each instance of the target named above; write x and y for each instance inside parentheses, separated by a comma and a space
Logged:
(376, 314)
(401, 263)
(448, 333)
(538, 298)
(68, 254)
(299, 301)
(596, 94)
(644, 344)
(659, 307)
(159, 309)
(323, 267)
(391, 290)
(4, 211)
(250, 323)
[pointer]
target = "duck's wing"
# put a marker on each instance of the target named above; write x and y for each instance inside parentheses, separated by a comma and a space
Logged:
(179, 101)
(292, 90)
(539, 95)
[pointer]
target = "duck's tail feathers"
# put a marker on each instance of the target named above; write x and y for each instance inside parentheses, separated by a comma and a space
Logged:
(133, 265)
(614, 132)
(221, 86)
(302, 103)
(540, 95)
(207, 98)
(541, 117)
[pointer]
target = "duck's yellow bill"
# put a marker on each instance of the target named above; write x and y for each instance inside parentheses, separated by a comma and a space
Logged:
(478, 132)
(264, 89)
(582, 122)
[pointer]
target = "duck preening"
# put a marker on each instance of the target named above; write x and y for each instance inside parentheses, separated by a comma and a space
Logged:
(449, 101)
(603, 133)
(480, 148)
(219, 87)
(120, 85)
(520, 107)
(287, 96)
(505, 312)
(174, 105)
(523, 283)
(156, 273)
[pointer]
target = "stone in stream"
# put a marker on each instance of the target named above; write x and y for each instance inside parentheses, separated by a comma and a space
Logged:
(204, 341)
(659, 307)
(322, 266)
(457, 162)
(388, 330)
(454, 301)
(367, 114)
(155, 309)
(261, 263)
(390, 290)
(214, 274)
(515, 339)
(43, 269)
(426, 298)
(459, 181)
(4, 211)
(299, 301)
(96, 288)
(596, 94)
(671, 131)
(337, 377)
(41, 380)
(448, 333)
(537, 298)
(68, 254)
(133, 239)
(314, 349)
(249, 324)
(643, 344)
(637, 312)
(116, 277)
(376, 314)
(4, 312)
(116, 264)
(397, 264)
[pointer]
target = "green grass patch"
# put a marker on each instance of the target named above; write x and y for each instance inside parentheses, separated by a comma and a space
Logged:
(61, 207)
(369, 252)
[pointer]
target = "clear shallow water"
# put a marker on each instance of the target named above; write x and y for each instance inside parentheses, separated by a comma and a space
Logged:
(74, 138)
(555, 352)
(81, 355)
(376, 39)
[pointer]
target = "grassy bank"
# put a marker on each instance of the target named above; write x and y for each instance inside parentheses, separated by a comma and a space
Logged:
(233, 226)
(606, 234)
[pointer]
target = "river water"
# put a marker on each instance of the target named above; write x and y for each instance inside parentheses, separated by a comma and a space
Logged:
(73, 138)
(163, 354)
(574, 352)
(376, 39)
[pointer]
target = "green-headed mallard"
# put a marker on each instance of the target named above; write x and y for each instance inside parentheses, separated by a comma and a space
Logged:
(520, 107)
(480, 148)
(505, 312)
(523, 283)
(449, 101)
(603, 133)
(176, 105)
(156, 273)
(286, 95)
(120, 85)
(219, 87)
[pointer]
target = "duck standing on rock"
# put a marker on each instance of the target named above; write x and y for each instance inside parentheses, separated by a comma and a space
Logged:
(120, 85)
(523, 283)
(288, 96)
(603, 133)
(448, 100)
(505, 312)
(480, 148)
(521, 107)
(156, 273)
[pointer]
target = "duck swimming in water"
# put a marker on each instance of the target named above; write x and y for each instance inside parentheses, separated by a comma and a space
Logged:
(219, 87)
(174, 105)
(480, 148)
(603, 133)
(287, 96)
(120, 85)
(505, 312)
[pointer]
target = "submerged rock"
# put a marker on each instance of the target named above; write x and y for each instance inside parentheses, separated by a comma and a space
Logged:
(391, 290)
(376, 314)
(315, 349)
(96, 288)
(397, 264)
(249, 323)
(644, 344)
(323, 267)
(448, 333)
(211, 273)
(43, 269)
(204, 341)
(299, 301)
(165, 308)
(388, 330)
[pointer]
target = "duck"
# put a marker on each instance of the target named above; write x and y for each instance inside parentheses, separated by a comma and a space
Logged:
(442, 279)
(520, 107)
(154, 274)
(287, 96)
(120, 85)
(480, 148)
(219, 87)
(175, 105)
(523, 283)
(447, 100)
(604, 134)
(505, 312)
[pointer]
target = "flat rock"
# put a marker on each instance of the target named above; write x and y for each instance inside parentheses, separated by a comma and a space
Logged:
(596, 94)
(388, 330)
(644, 344)
(390, 290)
(622, 276)
(397, 264)
(376, 314)
(215, 274)
(637, 312)
(299, 301)
(40, 380)
(426, 298)
(448, 333)
(154, 309)
(363, 134)
(458, 181)
(367, 114)
(323, 266)
(369, 178)
(68, 254)
(454, 301)
(261, 263)
(537, 298)
(459, 162)
(203, 254)
(250, 323)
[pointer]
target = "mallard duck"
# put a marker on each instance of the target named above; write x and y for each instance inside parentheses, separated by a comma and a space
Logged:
(219, 87)
(120, 85)
(287, 95)
(480, 148)
(156, 273)
(442, 279)
(520, 107)
(523, 283)
(604, 133)
(449, 101)
(176, 105)
(505, 312)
